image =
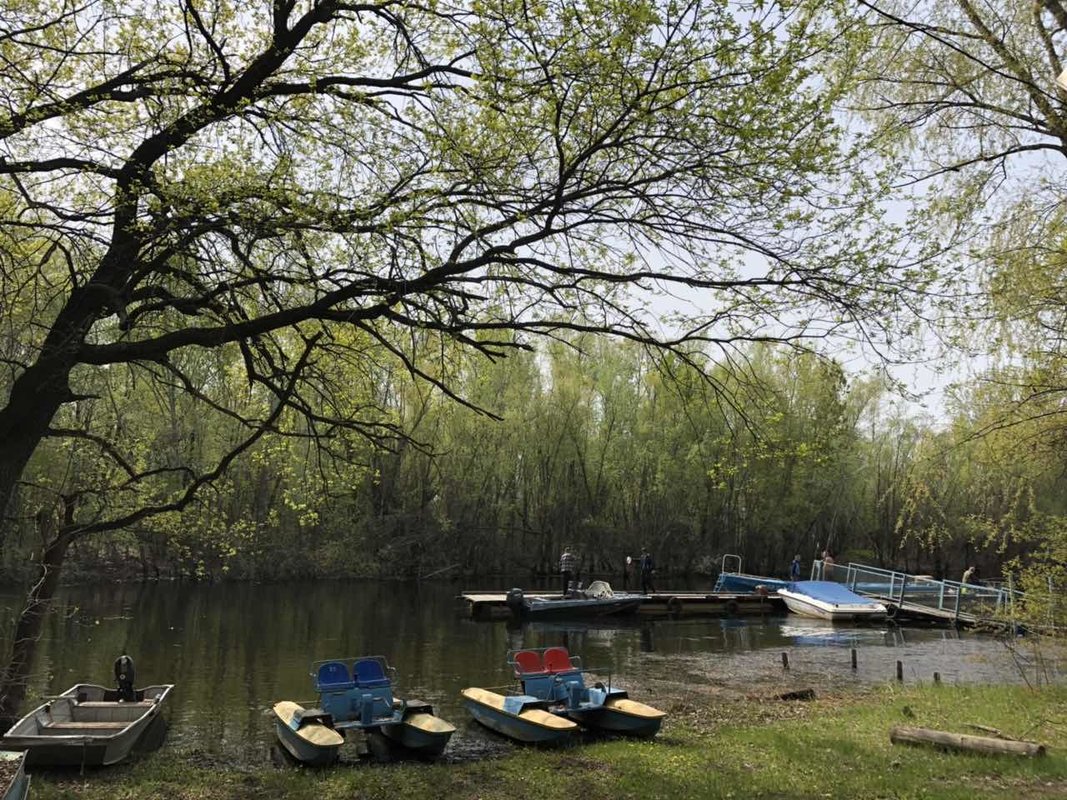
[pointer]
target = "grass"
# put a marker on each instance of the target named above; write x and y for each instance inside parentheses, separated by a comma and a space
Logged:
(834, 747)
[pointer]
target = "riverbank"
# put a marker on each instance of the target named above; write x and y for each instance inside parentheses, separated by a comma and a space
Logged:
(835, 746)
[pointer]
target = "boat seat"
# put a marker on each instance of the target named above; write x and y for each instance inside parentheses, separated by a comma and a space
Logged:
(557, 659)
(369, 674)
(112, 704)
(92, 726)
(527, 662)
(333, 676)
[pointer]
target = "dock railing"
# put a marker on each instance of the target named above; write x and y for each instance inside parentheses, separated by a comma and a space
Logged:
(951, 599)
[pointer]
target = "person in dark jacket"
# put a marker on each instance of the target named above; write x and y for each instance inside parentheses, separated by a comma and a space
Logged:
(648, 567)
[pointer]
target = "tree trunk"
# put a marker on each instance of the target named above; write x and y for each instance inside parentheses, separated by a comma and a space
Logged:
(957, 741)
(28, 630)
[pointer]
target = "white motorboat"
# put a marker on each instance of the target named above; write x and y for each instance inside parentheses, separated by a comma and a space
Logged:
(829, 600)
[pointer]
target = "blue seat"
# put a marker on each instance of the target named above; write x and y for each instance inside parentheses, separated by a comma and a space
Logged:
(333, 676)
(369, 674)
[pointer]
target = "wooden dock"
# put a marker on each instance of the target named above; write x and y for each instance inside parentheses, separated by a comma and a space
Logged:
(491, 605)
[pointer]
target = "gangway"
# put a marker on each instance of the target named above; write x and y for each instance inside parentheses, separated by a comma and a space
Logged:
(923, 596)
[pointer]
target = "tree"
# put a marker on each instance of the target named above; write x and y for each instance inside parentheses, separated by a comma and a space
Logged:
(315, 180)
(968, 93)
(971, 90)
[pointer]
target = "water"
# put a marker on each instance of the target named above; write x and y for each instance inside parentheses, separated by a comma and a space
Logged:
(235, 649)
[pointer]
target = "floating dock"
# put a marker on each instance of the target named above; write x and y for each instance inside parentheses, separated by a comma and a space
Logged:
(491, 605)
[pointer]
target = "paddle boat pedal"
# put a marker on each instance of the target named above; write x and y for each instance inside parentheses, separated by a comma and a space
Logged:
(556, 677)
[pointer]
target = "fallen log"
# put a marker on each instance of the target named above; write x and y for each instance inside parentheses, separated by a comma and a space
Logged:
(902, 734)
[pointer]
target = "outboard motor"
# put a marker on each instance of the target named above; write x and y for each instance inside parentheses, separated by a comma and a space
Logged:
(515, 601)
(124, 677)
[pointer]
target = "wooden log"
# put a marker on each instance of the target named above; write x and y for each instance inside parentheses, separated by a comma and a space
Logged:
(901, 734)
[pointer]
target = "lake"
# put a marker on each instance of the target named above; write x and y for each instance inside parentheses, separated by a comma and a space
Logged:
(235, 649)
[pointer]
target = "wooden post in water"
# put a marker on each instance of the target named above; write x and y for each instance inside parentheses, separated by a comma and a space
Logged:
(853, 658)
(785, 661)
(937, 677)
(900, 671)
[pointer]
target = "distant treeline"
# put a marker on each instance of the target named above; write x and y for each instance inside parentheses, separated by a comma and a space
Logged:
(598, 446)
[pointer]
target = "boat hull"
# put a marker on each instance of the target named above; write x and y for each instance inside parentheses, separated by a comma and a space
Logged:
(18, 786)
(312, 744)
(620, 715)
(581, 608)
(421, 733)
(74, 729)
(532, 724)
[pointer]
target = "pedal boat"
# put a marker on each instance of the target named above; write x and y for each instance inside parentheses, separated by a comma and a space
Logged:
(520, 717)
(556, 677)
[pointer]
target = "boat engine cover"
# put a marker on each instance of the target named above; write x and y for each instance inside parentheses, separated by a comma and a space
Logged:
(515, 599)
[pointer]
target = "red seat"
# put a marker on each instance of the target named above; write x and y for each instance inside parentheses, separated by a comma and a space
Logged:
(527, 662)
(557, 659)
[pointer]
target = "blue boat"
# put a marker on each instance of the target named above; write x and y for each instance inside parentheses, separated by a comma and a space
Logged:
(361, 698)
(556, 677)
(521, 717)
(364, 699)
(734, 581)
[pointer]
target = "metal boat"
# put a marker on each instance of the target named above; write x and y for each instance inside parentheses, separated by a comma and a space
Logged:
(596, 601)
(87, 725)
(14, 782)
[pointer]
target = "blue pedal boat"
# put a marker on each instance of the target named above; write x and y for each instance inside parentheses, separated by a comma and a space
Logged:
(556, 677)
(362, 699)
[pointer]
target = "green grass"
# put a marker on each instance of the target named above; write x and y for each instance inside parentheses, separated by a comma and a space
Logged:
(835, 747)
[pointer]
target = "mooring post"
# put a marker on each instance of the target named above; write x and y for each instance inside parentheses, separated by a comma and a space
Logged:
(785, 661)
(853, 658)
(900, 671)
(937, 677)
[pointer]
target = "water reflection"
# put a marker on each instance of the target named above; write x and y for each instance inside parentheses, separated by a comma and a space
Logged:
(233, 650)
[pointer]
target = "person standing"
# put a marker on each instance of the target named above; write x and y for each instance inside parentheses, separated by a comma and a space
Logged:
(647, 568)
(627, 571)
(827, 565)
(968, 575)
(566, 569)
(794, 569)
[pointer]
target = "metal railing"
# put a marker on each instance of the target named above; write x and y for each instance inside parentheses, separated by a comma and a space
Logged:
(948, 598)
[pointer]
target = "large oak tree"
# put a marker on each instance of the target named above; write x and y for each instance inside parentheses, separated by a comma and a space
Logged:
(289, 183)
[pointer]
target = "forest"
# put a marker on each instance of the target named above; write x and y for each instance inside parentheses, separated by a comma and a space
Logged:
(319, 288)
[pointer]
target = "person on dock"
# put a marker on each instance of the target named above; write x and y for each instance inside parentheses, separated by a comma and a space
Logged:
(827, 565)
(627, 570)
(794, 568)
(566, 569)
(648, 567)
